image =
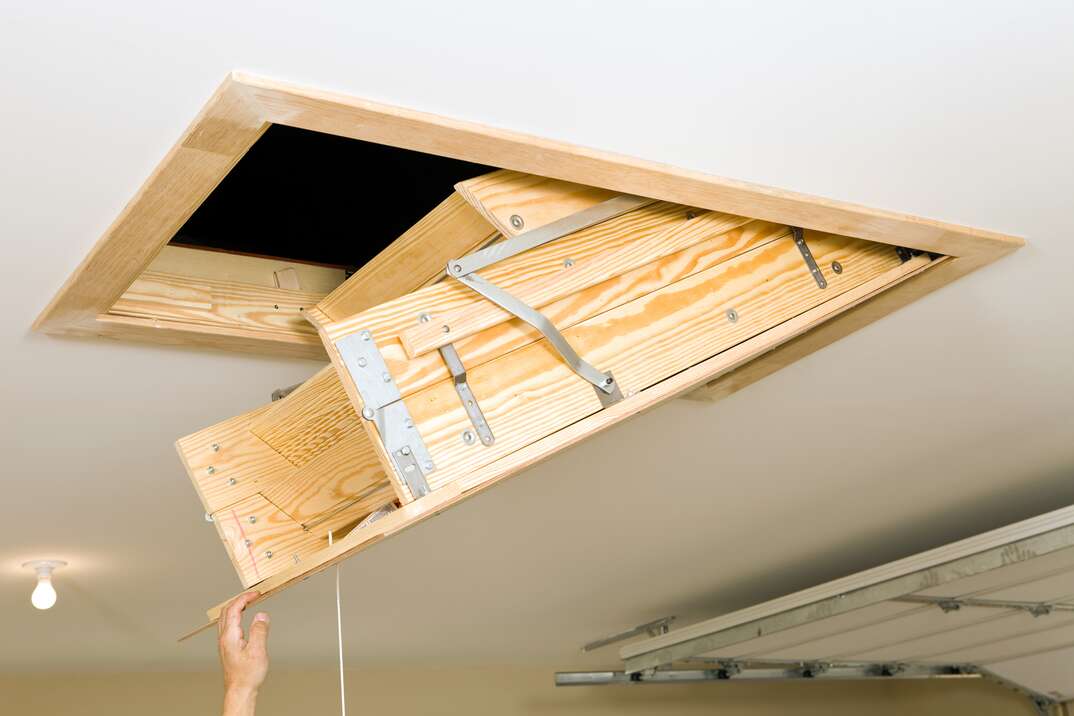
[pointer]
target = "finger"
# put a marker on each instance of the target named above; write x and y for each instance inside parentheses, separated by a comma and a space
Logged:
(231, 622)
(259, 631)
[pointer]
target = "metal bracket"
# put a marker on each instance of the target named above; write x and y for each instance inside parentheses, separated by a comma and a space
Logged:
(953, 604)
(383, 404)
(616, 206)
(604, 383)
(463, 269)
(811, 263)
(469, 402)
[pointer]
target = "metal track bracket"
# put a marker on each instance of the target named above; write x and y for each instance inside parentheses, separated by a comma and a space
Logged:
(811, 263)
(462, 388)
(383, 404)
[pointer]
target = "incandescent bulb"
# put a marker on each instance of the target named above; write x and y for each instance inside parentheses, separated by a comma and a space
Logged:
(44, 595)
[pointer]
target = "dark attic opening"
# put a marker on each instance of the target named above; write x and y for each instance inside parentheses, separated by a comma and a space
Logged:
(318, 198)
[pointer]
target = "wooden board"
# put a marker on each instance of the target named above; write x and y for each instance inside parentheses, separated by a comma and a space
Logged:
(225, 266)
(244, 105)
(431, 505)
(528, 393)
(514, 202)
(237, 476)
(417, 258)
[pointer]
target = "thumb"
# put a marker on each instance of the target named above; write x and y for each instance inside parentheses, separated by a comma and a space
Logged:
(259, 631)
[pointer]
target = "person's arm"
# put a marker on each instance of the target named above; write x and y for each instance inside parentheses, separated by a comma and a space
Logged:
(245, 661)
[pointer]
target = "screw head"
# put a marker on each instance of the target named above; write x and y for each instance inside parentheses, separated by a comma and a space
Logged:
(409, 423)
(468, 437)
(691, 215)
(366, 335)
(210, 469)
(446, 329)
(456, 268)
(268, 554)
(516, 221)
(487, 439)
(732, 315)
(252, 518)
(216, 447)
(362, 362)
(424, 318)
(231, 481)
(837, 267)
(428, 465)
(386, 376)
(247, 542)
(567, 263)
(405, 450)
(368, 413)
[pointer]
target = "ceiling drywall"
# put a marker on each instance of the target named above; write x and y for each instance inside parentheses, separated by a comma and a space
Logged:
(949, 418)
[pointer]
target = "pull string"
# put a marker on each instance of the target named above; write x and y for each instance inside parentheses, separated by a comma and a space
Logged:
(339, 632)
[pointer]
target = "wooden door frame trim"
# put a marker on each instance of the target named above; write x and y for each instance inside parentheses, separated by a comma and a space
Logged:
(244, 106)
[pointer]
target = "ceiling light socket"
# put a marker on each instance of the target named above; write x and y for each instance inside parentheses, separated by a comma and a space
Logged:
(44, 594)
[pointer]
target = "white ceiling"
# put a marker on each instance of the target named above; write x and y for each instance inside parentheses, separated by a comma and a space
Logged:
(952, 417)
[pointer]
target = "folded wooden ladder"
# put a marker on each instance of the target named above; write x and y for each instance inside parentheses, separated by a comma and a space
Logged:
(563, 309)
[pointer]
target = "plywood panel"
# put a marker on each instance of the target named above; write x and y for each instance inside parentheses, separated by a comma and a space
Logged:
(1014, 636)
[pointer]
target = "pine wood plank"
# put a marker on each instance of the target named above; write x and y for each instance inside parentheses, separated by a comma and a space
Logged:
(434, 503)
(181, 299)
(344, 115)
(530, 393)
(349, 473)
(536, 200)
(240, 268)
(309, 421)
(416, 258)
(226, 451)
(415, 374)
(461, 323)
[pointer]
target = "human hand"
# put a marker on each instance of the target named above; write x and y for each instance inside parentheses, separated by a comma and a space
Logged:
(245, 661)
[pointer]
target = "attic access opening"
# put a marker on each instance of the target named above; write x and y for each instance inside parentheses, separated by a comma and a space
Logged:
(320, 199)
(198, 303)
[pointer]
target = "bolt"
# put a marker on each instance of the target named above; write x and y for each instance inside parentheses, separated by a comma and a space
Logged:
(405, 450)
(253, 519)
(456, 268)
(567, 263)
(837, 267)
(468, 437)
(231, 481)
(732, 315)
(362, 362)
(424, 318)
(368, 413)
(268, 554)
(609, 380)
(216, 447)
(210, 469)
(516, 221)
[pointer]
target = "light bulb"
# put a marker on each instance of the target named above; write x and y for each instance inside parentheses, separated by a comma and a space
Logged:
(44, 595)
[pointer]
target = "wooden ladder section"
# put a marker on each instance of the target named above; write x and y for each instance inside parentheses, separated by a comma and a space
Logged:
(664, 297)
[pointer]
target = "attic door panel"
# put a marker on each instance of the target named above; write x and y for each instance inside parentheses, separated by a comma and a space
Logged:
(643, 295)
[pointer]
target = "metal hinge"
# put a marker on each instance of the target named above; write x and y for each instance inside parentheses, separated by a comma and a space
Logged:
(811, 263)
(383, 404)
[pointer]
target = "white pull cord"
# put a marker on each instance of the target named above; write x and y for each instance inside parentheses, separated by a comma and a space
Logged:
(339, 632)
